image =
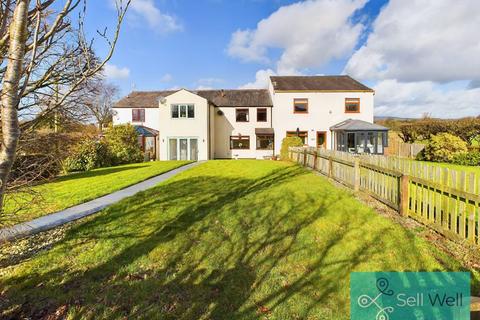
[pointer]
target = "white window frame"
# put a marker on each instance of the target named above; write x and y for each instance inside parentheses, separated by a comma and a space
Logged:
(178, 106)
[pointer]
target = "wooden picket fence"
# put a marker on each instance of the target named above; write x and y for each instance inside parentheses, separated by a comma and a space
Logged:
(444, 199)
(403, 150)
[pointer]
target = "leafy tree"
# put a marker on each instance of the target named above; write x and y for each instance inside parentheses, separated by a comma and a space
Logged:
(122, 141)
(287, 143)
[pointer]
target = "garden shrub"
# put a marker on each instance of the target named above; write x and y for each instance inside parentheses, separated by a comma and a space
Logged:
(39, 156)
(467, 159)
(29, 168)
(88, 155)
(443, 147)
(287, 143)
(122, 141)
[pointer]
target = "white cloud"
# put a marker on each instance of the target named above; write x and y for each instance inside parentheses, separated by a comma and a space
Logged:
(421, 40)
(208, 83)
(414, 99)
(261, 80)
(309, 33)
(113, 72)
(167, 77)
(200, 87)
(145, 10)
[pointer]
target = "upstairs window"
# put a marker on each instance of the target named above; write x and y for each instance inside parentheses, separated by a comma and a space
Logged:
(300, 105)
(352, 105)
(183, 111)
(138, 115)
(262, 115)
(241, 115)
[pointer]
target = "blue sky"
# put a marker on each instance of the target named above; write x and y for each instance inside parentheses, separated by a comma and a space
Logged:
(231, 44)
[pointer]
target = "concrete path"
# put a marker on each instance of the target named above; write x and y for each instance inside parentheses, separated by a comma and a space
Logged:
(84, 209)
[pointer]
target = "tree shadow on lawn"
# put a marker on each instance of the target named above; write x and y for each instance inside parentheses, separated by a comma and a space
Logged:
(96, 173)
(208, 247)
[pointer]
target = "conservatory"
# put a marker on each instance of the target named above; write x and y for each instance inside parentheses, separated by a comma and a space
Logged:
(357, 136)
(147, 140)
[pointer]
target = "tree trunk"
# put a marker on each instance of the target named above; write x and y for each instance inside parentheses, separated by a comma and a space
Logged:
(10, 93)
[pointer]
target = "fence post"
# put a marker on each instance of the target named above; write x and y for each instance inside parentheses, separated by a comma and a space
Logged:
(356, 175)
(304, 157)
(315, 158)
(403, 195)
(330, 167)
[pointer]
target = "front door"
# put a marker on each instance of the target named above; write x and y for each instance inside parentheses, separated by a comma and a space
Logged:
(321, 139)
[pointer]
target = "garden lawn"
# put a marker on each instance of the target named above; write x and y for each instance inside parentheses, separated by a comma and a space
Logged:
(77, 188)
(224, 240)
(475, 169)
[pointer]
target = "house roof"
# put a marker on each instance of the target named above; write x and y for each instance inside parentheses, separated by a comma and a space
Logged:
(220, 98)
(357, 125)
(317, 83)
(264, 131)
(237, 98)
(142, 99)
(145, 131)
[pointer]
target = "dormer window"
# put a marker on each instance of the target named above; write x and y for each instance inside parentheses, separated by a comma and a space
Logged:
(183, 111)
(138, 115)
(352, 105)
(300, 105)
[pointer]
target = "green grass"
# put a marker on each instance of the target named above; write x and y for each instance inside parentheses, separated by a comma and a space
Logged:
(475, 169)
(76, 188)
(225, 240)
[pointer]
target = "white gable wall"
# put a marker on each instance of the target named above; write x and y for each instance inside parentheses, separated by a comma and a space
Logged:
(124, 116)
(325, 109)
(184, 128)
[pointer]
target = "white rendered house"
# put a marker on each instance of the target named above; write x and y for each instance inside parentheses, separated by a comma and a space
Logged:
(334, 112)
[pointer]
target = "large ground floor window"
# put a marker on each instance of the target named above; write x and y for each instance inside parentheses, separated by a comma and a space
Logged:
(265, 141)
(372, 142)
(239, 142)
(183, 148)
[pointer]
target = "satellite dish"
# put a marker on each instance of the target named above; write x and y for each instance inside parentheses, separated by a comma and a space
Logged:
(220, 112)
(163, 100)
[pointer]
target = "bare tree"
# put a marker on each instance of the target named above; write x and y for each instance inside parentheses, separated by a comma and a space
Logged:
(44, 59)
(100, 101)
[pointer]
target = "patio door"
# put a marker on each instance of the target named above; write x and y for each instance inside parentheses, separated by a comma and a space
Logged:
(183, 149)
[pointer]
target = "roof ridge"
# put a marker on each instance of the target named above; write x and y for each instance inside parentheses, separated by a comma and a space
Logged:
(311, 76)
(197, 90)
(250, 89)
